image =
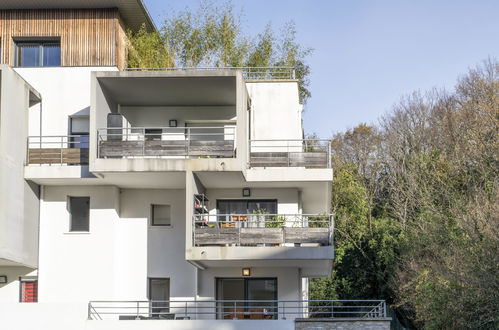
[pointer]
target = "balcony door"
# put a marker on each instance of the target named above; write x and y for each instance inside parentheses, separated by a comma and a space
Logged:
(257, 298)
(246, 206)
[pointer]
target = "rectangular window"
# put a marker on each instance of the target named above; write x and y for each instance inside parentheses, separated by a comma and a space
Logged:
(160, 215)
(153, 134)
(246, 206)
(29, 290)
(79, 209)
(251, 295)
(159, 296)
(31, 53)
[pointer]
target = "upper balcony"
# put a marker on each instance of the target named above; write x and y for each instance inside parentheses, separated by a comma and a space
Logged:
(150, 121)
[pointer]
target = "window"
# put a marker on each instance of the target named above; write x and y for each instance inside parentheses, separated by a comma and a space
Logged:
(79, 127)
(153, 134)
(29, 290)
(244, 289)
(38, 53)
(160, 215)
(159, 295)
(79, 209)
(246, 206)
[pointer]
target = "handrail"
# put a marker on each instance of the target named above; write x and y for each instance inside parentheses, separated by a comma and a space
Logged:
(176, 142)
(249, 73)
(235, 309)
(57, 149)
(309, 153)
(280, 229)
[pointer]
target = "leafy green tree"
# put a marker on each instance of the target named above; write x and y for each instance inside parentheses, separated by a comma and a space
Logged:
(212, 36)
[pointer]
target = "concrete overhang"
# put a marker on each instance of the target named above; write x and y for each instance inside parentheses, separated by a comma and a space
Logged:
(133, 12)
(313, 261)
(169, 88)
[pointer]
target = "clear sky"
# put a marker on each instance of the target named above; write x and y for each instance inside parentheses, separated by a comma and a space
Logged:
(369, 53)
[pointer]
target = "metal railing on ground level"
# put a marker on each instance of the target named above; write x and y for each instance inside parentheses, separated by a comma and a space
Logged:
(235, 309)
(249, 73)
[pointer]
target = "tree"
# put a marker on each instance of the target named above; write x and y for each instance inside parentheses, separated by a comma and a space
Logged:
(212, 36)
(415, 203)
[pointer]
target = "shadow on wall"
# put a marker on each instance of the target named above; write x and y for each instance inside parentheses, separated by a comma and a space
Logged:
(13, 274)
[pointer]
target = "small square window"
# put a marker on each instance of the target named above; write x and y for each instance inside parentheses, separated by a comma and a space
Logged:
(79, 210)
(160, 215)
(29, 290)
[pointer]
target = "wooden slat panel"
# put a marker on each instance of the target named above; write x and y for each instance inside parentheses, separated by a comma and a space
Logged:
(306, 235)
(261, 235)
(89, 37)
(58, 156)
(295, 159)
(208, 236)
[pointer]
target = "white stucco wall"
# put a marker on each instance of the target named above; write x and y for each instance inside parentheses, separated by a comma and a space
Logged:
(65, 92)
(165, 245)
(275, 110)
(18, 198)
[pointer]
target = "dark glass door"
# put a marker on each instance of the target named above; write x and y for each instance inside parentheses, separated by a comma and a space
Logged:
(257, 298)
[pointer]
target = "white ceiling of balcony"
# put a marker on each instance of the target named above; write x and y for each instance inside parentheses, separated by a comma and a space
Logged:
(170, 91)
(133, 12)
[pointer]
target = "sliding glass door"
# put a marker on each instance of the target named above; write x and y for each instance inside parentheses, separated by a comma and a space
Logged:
(256, 298)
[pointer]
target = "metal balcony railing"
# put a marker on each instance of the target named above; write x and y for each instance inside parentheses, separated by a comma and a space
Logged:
(57, 150)
(235, 309)
(308, 153)
(249, 73)
(262, 229)
(166, 142)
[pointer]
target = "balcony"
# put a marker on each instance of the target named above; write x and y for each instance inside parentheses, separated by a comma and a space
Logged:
(305, 153)
(262, 230)
(167, 142)
(249, 73)
(237, 310)
(57, 150)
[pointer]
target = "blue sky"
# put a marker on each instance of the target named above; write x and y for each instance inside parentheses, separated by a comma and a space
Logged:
(367, 54)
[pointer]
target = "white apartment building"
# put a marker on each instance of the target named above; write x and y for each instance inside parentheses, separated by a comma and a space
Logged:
(161, 199)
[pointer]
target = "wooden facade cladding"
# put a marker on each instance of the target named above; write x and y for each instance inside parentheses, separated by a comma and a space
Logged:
(89, 37)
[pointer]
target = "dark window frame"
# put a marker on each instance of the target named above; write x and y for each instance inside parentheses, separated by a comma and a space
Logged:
(23, 280)
(153, 308)
(246, 280)
(71, 215)
(248, 200)
(152, 216)
(41, 42)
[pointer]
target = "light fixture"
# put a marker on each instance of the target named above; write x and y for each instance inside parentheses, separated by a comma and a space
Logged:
(173, 123)
(3, 279)
(246, 192)
(246, 272)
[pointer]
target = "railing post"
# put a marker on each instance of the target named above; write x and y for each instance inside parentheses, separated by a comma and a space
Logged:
(185, 309)
(384, 308)
(137, 316)
(283, 310)
(188, 142)
(329, 154)
(144, 142)
(289, 161)
(62, 143)
(89, 311)
(235, 315)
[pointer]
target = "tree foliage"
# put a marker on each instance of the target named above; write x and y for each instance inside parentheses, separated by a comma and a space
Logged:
(416, 207)
(213, 36)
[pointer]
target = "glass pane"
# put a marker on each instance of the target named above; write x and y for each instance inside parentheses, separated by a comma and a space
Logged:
(79, 209)
(29, 55)
(51, 55)
(230, 289)
(267, 207)
(262, 289)
(159, 294)
(161, 215)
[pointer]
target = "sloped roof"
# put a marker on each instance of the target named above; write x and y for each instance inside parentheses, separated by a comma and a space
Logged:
(133, 12)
